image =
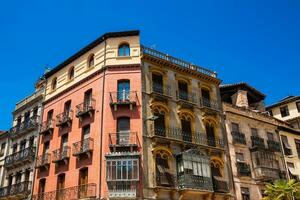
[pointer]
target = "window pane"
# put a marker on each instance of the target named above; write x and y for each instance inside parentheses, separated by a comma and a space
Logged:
(113, 170)
(124, 170)
(119, 170)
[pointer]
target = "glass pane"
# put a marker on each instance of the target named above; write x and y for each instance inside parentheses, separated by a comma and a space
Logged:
(119, 170)
(113, 170)
(124, 170)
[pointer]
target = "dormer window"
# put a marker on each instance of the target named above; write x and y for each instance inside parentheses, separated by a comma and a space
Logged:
(124, 50)
(91, 61)
(54, 83)
(71, 73)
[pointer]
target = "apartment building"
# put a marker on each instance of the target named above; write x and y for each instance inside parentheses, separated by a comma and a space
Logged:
(184, 133)
(253, 139)
(21, 146)
(91, 136)
(4, 143)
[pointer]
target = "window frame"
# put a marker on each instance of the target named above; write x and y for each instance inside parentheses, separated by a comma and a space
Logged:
(71, 73)
(124, 50)
(284, 111)
(112, 167)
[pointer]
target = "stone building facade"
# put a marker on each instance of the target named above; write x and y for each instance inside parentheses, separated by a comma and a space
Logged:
(253, 140)
(22, 143)
(4, 143)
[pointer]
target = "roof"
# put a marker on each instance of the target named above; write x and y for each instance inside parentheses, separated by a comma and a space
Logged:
(91, 46)
(240, 85)
(283, 101)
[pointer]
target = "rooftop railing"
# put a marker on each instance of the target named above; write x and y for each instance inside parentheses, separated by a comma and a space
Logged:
(176, 61)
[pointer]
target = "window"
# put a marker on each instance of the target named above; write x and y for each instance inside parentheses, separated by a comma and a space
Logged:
(71, 73)
(240, 157)
(64, 144)
(163, 174)
(18, 177)
(271, 112)
(123, 90)
(210, 133)
(35, 113)
(49, 115)
(284, 111)
(122, 170)
(86, 132)
(254, 132)
(42, 186)
(159, 124)
(124, 50)
(298, 106)
(186, 128)
(286, 146)
(2, 149)
(27, 119)
(54, 83)
(91, 61)
(60, 186)
(157, 83)
(15, 148)
(297, 143)
(82, 182)
(245, 193)
(31, 141)
(27, 175)
(270, 136)
(123, 129)
(235, 127)
(292, 172)
(88, 98)
(19, 120)
(183, 90)
(22, 145)
(46, 147)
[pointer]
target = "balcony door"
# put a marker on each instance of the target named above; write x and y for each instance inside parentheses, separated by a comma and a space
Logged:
(27, 119)
(42, 186)
(159, 124)
(163, 175)
(84, 137)
(157, 83)
(205, 97)
(87, 99)
(49, 118)
(186, 127)
(60, 186)
(183, 90)
(64, 145)
(210, 133)
(123, 90)
(67, 108)
(123, 130)
(83, 182)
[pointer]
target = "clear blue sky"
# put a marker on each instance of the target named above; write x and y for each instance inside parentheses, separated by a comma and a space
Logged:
(253, 41)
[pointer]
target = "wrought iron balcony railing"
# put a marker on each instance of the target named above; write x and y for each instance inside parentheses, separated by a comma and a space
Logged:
(188, 181)
(64, 118)
(176, 61)
(25, 155)
(243, 169)
(238, 137)
(220, 185)
(267, 173)
(165, 179)
(183, 136)
(207, 103)
(84, 108)
(161, 89)
(21, 189)
(83, 147)
(190, 97)
(123, 97)
(24, 126)
(257, 142)
(47, 126)
(87, 191)
(123, 139)
(61, 154)
(274, 146)
(122, 189)
(43, 160)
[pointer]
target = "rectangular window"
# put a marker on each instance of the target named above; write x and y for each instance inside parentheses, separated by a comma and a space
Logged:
(284, 111)
(122, 170)
(286, 146)
(297, 143)
(239, 157)
(270, 136)
(42, 186)
(245, 193)
(298, 106)
(254, 132)
(235, 127)
(22, 145)
(15, 148)
(46, 147)
(2, 148)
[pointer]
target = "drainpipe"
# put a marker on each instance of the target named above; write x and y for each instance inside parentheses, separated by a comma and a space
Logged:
(38, 138)
(102, 114)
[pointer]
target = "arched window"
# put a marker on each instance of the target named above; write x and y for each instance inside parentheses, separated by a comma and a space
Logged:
(54, 83)
(124, 50)
(71, 73)
(91, 61)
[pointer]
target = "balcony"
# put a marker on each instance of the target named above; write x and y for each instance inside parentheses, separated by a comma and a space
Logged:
(85, 109)
(61, 155)
(19, 158)
(220, 185)
(47, 127)
(83, 147)
(123, 141)
(24, 127)
(175, 61)
(43, 161)
(267, 173)
(274, 146)
(257, 142)
(165, 179)
(64, 118)
(210, 105)
(187, 99)
(16, 191)
(124, 98)
(161, 91)
(87, 191)
(180, 135)
(122, 189)
(243, 169)
(238, 138)
(188, 181)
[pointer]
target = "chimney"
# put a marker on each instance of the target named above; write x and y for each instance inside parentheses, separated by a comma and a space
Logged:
(240, 99)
